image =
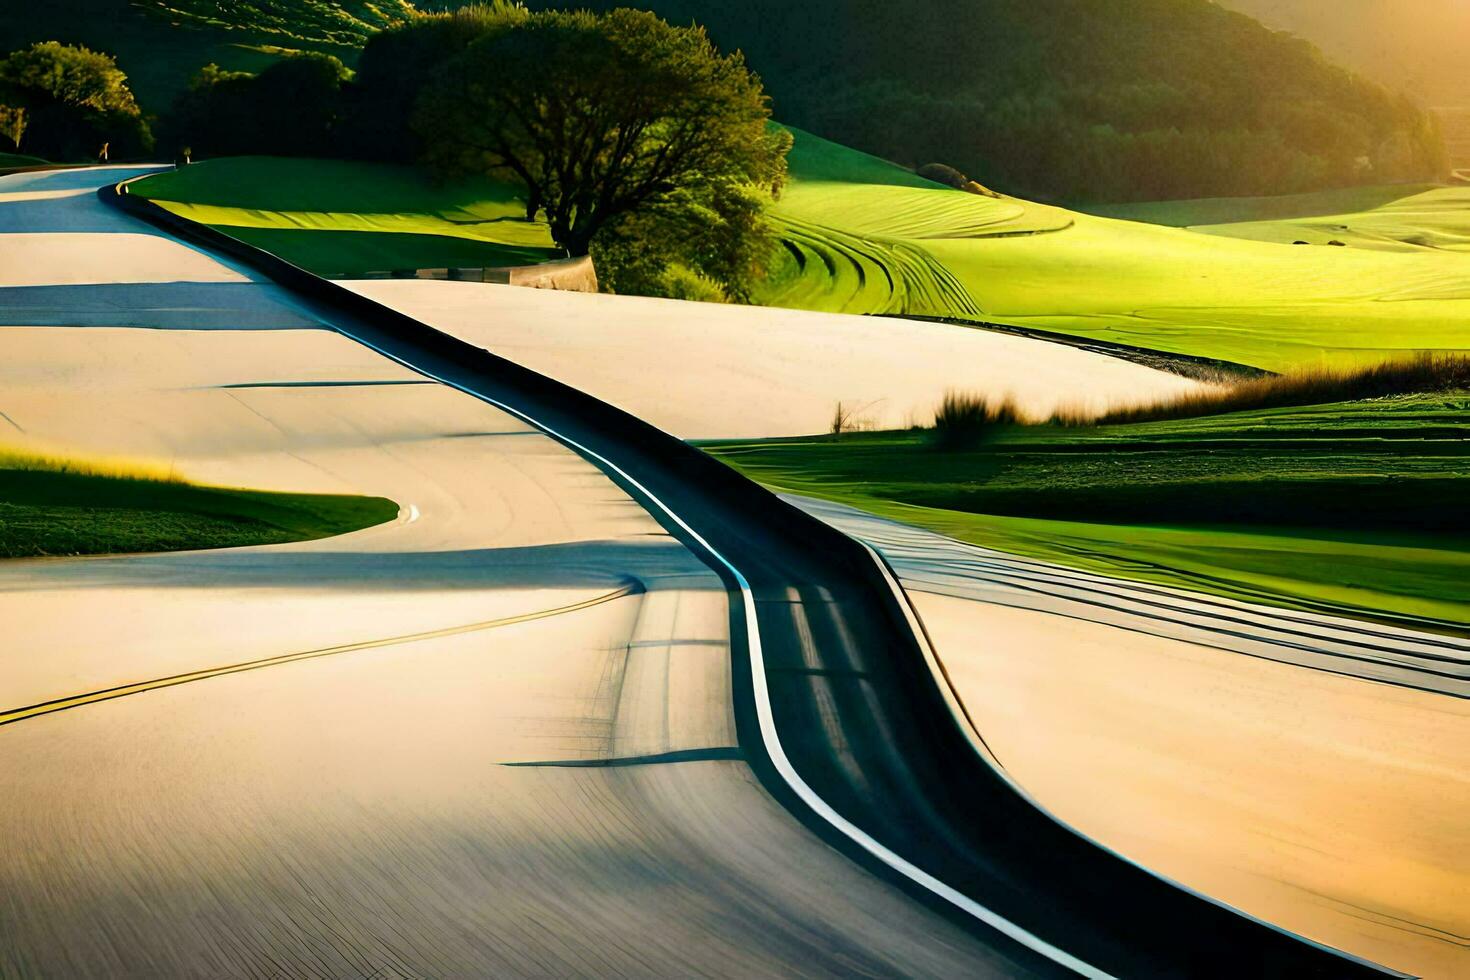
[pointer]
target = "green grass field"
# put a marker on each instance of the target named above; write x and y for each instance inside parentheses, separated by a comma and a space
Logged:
(1411, 218)
(1357, 507)
(1236, 295)
(49, 511)
(864, 236)
(343, 219)
(1286, 207)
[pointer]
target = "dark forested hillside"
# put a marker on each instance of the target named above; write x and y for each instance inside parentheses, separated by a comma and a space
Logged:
(348, 22)
(1075, 99)
(160, 44)
(1418, 46)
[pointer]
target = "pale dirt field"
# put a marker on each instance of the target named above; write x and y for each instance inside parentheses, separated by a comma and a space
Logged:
(706, 370)
(1332, 806)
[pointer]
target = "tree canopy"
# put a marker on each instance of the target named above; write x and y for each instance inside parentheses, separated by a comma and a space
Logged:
(292, 108)
(602, 116)
(64, 102)
(395, 65)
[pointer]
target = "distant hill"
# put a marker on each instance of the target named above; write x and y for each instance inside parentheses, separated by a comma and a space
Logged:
(310, 22)
(161, 43)
(1074, 99)
(1420, 47)
(1070, 100)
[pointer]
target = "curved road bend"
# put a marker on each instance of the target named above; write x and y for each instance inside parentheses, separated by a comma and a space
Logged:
(423, 791)
(345, 814)
(853, 697)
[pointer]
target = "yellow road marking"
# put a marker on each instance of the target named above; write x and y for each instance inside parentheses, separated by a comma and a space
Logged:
(77, 700)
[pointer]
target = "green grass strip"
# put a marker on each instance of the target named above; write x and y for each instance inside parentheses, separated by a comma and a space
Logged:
(56, 513)
(1355, 508)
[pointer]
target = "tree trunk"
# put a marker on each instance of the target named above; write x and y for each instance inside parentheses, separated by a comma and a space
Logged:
(577, 244)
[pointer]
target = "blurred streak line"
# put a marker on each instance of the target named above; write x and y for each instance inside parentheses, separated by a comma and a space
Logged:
(729, 753)
(77, 700)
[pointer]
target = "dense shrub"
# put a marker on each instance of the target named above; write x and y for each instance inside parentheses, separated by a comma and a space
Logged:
(397, 63)
(943, 173)
(701, 242)
(967, 421)
(292, 108)
(63, 103)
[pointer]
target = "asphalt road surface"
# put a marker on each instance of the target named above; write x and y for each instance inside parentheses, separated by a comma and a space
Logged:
(508, 733)
(416, 801)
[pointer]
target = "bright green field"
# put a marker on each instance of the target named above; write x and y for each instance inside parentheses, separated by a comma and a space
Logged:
(65, 513)
(1355, 507)
(1394, 219)
(864, 236)
(1287, 207)
(343, 219)
(854, 247)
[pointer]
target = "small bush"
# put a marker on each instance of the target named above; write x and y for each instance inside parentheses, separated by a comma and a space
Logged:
(1313, 386)
(681, 282)
(966, 421)
(943, 173)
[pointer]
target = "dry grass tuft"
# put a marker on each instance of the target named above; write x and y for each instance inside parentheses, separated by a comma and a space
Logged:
(1418, 374)
(965, 420)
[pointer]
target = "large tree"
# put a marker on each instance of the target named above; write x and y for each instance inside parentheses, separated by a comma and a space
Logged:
(68, 101)
(599, 117)
(396, 64)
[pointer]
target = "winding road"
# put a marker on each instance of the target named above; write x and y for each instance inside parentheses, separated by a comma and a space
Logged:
(591, 706)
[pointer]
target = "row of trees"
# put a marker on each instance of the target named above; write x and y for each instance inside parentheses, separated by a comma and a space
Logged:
(634, 139)
(631, 138)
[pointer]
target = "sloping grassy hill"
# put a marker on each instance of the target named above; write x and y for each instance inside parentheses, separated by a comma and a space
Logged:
(888, 244)
(344, 219)
(861, 235)
(1403, 218)
(854, 227)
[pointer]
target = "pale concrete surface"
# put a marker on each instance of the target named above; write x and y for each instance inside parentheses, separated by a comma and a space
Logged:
(707, 370)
